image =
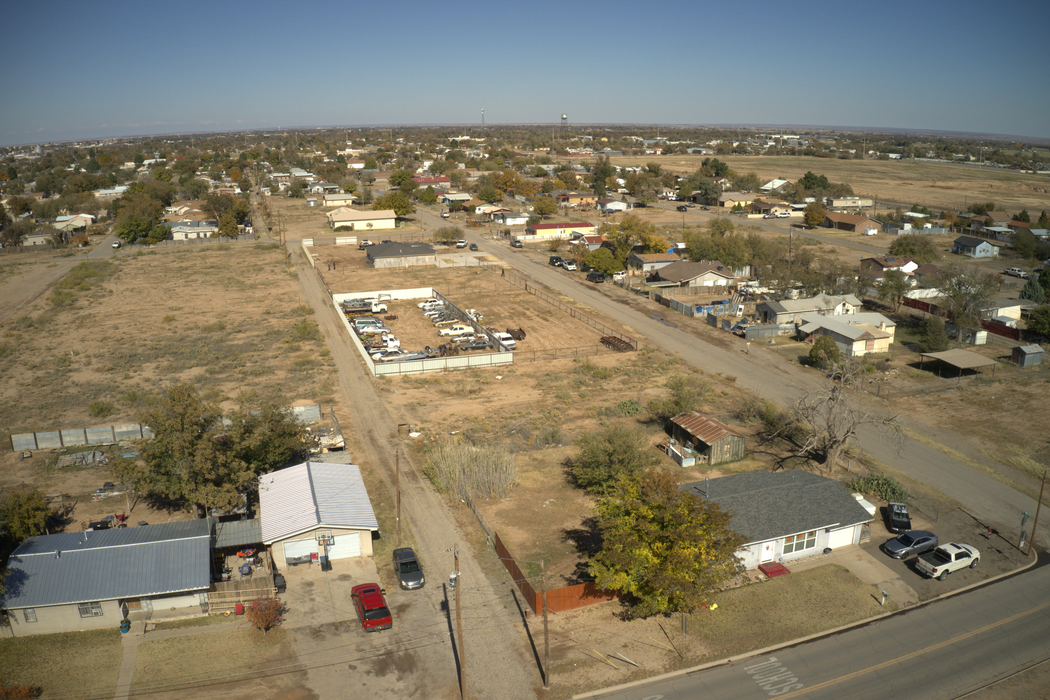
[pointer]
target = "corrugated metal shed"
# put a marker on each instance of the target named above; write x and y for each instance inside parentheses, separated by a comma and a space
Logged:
(135, 562)
(704, 427)
(236, 533)
(311, 495)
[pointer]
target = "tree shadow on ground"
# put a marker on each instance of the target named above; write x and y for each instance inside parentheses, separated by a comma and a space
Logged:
(586, 540)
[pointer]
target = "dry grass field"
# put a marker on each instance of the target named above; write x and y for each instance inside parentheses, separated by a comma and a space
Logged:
(76, 664)
(936, 185)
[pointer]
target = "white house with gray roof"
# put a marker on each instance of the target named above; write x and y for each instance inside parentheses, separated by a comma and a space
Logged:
(78, 581)
(785, 515)
(855, 334)
(316, 512)
(790, 310)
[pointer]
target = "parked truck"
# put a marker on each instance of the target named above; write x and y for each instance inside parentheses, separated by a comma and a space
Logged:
(360, 307)
(946, 559)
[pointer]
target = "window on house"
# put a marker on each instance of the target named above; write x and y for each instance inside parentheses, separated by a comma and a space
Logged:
(30, 614)
(798, 543)
(90, 609)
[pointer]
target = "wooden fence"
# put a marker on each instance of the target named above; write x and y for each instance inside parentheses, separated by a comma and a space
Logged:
(561, 599)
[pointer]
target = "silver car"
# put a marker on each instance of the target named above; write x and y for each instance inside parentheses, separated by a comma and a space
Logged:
(406, 566)
(910, 543)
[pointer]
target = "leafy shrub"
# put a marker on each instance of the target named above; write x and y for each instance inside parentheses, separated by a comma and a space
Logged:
(687, 394)
(884, 487)
(628, 407)
(304, 329)
(265, 613)
(825, 353)
(100, 409)
(604, 456)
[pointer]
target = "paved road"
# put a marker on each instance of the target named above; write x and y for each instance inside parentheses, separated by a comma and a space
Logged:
(941, 650)
(768, 375)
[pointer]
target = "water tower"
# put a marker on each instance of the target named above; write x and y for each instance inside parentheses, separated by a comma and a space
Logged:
(564, 120)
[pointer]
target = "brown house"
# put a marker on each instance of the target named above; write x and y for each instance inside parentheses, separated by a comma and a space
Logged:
(850, 222)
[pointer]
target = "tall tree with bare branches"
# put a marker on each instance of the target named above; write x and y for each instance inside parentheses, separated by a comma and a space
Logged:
(829, 418)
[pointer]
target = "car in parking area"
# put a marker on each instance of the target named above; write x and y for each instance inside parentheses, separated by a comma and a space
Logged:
(682, 207)
(473, 246)
(116, 244)
(595, 276)
(569, 265)
(1015, 272)
(371, 607)
(910, 543)
(456, 329)
(706, 208)
(516, 244)
(898, 520)
(554, 260)
(461, 243)
(408, 570)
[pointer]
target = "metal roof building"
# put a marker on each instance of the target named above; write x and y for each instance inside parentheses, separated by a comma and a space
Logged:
(60, 582)
(313, 495)
(715, 441)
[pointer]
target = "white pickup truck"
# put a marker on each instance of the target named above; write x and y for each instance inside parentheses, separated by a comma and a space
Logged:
(946, 559)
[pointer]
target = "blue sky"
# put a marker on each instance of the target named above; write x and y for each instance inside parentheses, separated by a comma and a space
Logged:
(92, 70)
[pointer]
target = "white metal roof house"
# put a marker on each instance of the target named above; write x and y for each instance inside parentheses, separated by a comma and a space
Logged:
(855, 334)
(314, 512)
(358, 220)
(91, 580)
(785, 515)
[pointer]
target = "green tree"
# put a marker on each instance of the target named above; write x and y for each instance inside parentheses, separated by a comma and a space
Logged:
(1025, 244)
(608, 454)
(1044, 220)
(545, 206)
(1023, 216)
(23, 513)
(914, 247)
(602, 260)
(490, 194)
(196, 189)
(825, 352)
(295, 190)
(1044, 280)
(933, 337)
(194, 457)
(396, 200)
(427, 195)
(448, 234)
(966, 291)
(20, 205)
(892, 287)
(1039, 320)
(666, 550)
(812, 181)
(815, 213)
(686, 394)
(227, 226)
(1033, 291)
(402, 179)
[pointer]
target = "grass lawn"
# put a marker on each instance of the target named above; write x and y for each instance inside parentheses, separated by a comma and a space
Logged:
(72, 663)
(198, 657)
(782, 609)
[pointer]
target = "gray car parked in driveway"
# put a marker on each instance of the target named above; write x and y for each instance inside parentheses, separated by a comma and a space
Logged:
(408, 570)
(910, 543)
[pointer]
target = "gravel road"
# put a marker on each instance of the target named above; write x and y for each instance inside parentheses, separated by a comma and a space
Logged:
(498, 661)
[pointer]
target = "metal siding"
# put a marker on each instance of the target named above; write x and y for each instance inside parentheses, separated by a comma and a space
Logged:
(73, 437)
(48, 440)
(313, 494)
(236, 533)
(110, 564)
(97, 436)
(704, 427)
(128, 431)
(23, 441)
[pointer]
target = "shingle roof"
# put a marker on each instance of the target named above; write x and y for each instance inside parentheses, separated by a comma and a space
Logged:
(769, 505)
(79, 567)
(311, 495)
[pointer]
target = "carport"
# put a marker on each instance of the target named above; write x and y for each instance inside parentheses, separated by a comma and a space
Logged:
(960, 359)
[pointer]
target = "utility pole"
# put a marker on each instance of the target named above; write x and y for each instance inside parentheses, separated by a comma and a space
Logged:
(1035, 523)
(682, 653)
(397, 490)
(459, 632)
(546, 638)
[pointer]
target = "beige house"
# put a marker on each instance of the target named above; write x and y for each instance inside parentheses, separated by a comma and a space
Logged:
(855, 334)
(76, 581)
(336, 199)
(357, 220)
(315, 513)
(732, 199)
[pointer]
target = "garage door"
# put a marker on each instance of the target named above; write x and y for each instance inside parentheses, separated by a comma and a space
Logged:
(345, 546)
(840, 538)
(296, 550)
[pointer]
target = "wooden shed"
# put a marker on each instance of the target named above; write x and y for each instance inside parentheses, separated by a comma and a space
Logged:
(713, 441)
(1027, 355)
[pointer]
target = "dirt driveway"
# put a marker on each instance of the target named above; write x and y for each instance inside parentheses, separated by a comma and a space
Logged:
(414, 659)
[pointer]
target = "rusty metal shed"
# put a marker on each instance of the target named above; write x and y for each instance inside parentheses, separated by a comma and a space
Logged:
(710, 438)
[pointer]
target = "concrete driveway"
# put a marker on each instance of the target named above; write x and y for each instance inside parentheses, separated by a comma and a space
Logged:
(414, 659)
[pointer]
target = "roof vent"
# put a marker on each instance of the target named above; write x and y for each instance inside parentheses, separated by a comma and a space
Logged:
(720, 267)
(58, 554)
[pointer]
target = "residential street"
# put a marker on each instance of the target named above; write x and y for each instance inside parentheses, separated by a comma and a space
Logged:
(941, 650)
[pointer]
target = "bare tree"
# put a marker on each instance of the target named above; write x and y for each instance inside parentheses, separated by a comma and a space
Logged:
(828, 419)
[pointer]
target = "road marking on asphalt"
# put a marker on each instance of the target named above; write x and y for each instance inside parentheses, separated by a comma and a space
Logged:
(912, 655)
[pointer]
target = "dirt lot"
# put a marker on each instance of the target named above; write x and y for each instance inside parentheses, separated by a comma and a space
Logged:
(936, 185)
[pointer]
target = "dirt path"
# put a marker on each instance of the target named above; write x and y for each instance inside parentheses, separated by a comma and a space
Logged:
(491, 626)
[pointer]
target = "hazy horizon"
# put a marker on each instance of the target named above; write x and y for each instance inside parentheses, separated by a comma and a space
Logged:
(129, 70)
